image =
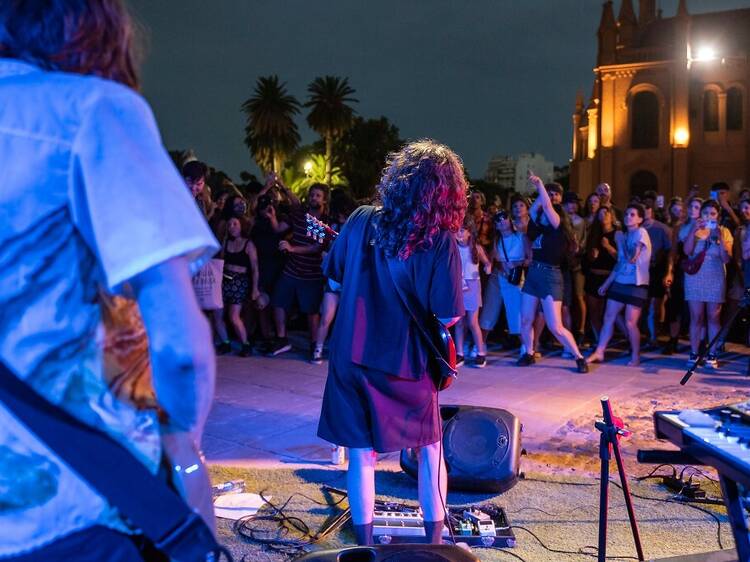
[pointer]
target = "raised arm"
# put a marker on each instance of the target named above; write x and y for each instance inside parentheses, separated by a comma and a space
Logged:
(544, 201)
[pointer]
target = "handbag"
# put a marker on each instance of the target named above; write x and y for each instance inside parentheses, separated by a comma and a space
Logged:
(514, 275)
(692, 264)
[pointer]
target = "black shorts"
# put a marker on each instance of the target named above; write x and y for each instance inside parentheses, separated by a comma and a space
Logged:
(307, 293)
(367, 408)
(633, 295)
(543, 280)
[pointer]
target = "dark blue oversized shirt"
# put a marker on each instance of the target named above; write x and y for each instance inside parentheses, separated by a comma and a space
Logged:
(373, 328)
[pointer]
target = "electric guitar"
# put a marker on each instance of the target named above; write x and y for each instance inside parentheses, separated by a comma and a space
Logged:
(319, 231)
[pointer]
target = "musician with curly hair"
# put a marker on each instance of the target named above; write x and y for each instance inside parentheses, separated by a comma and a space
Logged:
(379, 396)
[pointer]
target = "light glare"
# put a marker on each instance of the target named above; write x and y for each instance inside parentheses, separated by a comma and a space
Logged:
(706, 53)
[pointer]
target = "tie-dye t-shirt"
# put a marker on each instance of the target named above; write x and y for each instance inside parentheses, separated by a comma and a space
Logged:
(89, 199)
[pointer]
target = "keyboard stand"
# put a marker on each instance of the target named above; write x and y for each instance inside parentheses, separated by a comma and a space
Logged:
(737, 518)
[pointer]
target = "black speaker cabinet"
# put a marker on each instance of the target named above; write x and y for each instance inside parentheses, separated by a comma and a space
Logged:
(482, 449)
(393, 553)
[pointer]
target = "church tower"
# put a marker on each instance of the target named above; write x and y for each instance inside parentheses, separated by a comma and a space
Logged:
(627, 25)
(607, 36)
(646, 12)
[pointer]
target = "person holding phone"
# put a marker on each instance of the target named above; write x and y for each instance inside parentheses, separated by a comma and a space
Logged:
(552, 239)
(705, 290)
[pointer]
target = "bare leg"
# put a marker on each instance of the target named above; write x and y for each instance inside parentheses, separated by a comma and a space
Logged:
(327, 314)
(596, 313)
(473, 321)
(360, 483)
(432, 469)
(458, 333)
(221, 327)
(581, 316)
(632, 316)
(237, 323)
(696, 325)
(529, 307)
(279, 319)
(313, 322)
(611, 313)
(553, 317)
(539, 324)
(713, 314)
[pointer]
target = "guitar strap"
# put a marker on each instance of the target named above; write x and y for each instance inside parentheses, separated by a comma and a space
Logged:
(146, 501)
(404, 288)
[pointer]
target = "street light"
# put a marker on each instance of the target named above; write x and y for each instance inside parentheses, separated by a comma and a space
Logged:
(308, 166)
(681, 136)
(705, 53)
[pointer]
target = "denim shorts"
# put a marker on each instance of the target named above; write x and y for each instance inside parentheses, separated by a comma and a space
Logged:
(543, 280)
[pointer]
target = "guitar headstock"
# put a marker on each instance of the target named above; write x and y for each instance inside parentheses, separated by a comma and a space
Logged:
(318, 230)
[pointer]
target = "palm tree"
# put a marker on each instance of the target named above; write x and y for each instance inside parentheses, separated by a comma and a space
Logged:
(270, 132)
(330, 115)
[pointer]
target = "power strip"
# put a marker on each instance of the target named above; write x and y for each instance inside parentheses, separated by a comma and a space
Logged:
(691, 490)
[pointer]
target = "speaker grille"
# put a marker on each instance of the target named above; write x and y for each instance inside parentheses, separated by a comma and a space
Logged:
(475, 441)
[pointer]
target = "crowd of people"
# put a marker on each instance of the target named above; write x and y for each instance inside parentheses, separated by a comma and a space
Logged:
(576, 271)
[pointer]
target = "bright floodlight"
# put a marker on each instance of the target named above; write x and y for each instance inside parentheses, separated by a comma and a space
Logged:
(308, 167)
(681, 136)
(706, 53)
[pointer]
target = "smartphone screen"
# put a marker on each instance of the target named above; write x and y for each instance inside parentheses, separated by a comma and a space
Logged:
(711, 225)
(659, 201)
(713, 195)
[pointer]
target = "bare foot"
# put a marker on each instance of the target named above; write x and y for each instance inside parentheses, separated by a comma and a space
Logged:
(634, 362)
(595, 358)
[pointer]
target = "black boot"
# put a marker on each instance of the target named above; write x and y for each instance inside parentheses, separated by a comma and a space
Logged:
(247, 350)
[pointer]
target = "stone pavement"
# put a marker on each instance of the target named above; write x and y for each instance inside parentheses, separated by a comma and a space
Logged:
(266, 409)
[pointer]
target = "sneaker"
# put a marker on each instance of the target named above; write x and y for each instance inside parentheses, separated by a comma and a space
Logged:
(526, 360)
(247, 350)
(711, 361)
(263, 346)
(459, 361)
(316, 356)
(480, 361)
(279, 346)
(223, 348)
(692, 360)
(582, 366)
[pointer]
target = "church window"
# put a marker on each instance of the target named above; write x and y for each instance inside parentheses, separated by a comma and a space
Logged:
(645, 120)
(710, 111)
(734, 109)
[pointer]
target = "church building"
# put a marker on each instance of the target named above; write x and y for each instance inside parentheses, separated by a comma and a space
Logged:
(669, 106)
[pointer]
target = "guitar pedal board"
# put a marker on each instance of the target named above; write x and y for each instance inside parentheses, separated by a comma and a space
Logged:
(484, 525)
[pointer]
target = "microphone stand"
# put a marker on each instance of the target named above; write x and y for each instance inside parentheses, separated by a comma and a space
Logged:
(609, 441)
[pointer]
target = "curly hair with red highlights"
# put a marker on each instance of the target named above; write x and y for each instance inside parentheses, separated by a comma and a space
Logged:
(80, 36)
(423, 191)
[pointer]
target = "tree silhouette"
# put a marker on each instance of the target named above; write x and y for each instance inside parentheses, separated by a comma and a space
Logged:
(330, 115)
(270, 132)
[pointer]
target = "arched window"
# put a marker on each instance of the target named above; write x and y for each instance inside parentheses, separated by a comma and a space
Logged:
(643, 181)
(734, 109)
(645, 120)
(710, 111)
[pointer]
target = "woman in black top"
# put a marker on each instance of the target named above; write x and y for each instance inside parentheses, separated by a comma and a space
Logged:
(240, 279)
(551, 239)
(601, 256)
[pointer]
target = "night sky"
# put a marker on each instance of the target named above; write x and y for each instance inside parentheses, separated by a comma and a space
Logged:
(485, 77)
